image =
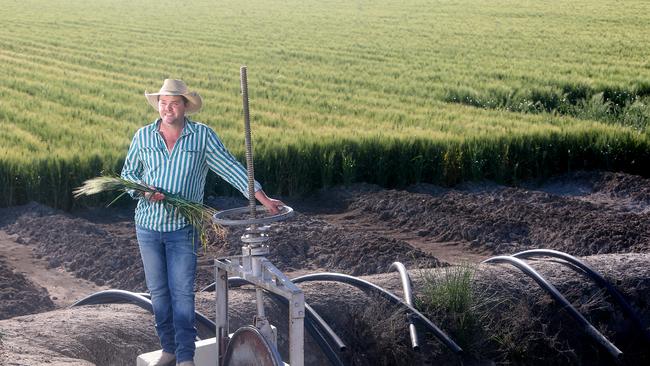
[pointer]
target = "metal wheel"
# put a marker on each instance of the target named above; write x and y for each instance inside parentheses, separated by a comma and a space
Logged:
(226, 217)
(248, 347)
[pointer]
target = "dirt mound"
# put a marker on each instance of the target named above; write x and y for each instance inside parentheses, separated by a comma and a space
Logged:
(85, 248)
(616, 191)
(505, 220)
(19, 296)
(519, 323)
(90, 335)
(100, 245)
(305, 243)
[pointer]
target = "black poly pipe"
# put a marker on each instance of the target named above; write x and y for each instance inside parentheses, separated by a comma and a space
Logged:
(317, 334)
(541, 281)
(595, 276)
(322, 324)
(408, 297)
(121, 296)
(142, 300)
(371, 287)
(320, 338)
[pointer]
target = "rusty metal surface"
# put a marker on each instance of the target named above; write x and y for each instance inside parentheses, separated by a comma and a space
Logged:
(248, 347)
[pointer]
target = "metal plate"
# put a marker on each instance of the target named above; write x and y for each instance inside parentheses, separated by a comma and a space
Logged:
(232, 217)
(248, 347)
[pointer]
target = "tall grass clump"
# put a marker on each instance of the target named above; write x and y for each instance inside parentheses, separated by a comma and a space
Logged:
(447, 295)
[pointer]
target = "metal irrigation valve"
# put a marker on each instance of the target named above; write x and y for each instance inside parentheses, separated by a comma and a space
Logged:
(256, 235)
(252, 344)
(254, 238)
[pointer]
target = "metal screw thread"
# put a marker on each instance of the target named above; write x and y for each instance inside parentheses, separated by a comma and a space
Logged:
(249, 143)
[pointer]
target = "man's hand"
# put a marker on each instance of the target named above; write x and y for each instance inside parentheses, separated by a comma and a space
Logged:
(153, 196)
(274, 206)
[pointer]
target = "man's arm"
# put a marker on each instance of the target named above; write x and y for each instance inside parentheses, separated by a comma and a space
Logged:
(274, 206)
(221, 161)
(132, 169)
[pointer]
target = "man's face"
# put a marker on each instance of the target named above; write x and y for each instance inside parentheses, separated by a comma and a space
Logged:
(172, 109)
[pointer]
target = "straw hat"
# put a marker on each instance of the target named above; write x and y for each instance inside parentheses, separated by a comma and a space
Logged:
(176, 87)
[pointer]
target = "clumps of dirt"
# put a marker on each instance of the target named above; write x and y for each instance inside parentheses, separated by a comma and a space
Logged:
(103, 249)
(305, 243)
(616, 191)
(505, 220)
(87, 249)
(524, 324)
(19, 296)
(102, 335)
(378, 325)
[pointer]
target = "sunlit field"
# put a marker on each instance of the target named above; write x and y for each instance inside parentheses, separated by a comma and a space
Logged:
(341, 91)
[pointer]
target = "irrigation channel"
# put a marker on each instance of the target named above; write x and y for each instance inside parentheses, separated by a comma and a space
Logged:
(347, 232)
(332, 345)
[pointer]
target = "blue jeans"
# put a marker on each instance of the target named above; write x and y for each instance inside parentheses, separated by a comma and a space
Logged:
(169, 261)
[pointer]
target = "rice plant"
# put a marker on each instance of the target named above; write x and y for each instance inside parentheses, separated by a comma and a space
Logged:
(448, 296)
(197, 214)
(385, 92)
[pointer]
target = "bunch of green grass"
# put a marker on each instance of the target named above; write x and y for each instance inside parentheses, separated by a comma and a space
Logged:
(448, 297)
(197, 214)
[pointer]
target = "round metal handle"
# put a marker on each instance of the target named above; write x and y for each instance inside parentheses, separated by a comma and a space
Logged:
(221, 217)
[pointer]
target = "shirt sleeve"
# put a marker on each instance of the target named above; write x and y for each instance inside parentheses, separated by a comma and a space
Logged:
(132, 169)
(221, 161)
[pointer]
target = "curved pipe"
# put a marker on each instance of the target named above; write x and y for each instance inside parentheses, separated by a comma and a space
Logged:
(139, 299)
(317, 333)
(322, 324)
(594, 276)
(408, 297)
(232, 282)
(323, 344)
(565, 304)
(371, 287)
(116, 297)
(142, 300)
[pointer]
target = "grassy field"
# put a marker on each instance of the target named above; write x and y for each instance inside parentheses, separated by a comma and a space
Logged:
(341, 91)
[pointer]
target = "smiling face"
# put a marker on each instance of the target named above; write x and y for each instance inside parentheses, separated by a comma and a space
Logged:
(172, 110)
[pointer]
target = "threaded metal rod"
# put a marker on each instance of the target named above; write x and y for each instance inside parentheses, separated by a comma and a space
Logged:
(249, 143)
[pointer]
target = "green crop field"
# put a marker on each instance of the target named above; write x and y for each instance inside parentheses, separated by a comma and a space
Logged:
(380, 91)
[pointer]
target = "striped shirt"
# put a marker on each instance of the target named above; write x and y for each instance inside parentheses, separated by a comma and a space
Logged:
(182, 171)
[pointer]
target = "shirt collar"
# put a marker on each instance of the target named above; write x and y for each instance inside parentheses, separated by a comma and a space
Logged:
(187, 129)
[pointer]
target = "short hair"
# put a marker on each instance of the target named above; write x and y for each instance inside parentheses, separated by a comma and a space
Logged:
(185, 100)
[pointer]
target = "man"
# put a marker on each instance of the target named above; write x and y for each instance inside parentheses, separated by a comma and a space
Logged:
(174, 154)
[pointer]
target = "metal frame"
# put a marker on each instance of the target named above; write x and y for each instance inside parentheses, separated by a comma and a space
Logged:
(317, 327)
(264, 275)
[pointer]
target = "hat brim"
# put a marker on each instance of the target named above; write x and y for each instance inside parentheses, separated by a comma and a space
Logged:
(194, 101)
